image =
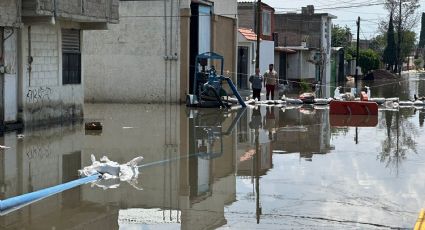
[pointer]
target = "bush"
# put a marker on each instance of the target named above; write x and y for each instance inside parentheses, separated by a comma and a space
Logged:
(305, 86)
(418, 63)
(368, 60)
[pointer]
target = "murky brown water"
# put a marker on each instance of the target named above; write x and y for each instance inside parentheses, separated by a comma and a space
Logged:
(307, 174)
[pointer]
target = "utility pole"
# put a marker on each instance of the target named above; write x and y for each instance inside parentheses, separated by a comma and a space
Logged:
(399, 61)
(357, 53)
(258, 28)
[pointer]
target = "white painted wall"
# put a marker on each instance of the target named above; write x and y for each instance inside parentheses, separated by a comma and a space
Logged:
(126, 63)
(251, 55)
(43, 97)
(266, 55)
(10, 97)
(308, 70)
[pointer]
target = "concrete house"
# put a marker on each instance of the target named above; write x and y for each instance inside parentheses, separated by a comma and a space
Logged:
(246, 45)
(41, 56)
(303, 51)
(150, 55)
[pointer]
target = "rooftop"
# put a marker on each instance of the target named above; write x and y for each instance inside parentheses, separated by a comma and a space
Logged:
(248, 34)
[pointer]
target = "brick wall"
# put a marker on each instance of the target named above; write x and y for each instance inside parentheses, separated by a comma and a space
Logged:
(8, 12)
(246, 17)
(292, 28)
(44, 48)
(44, 97)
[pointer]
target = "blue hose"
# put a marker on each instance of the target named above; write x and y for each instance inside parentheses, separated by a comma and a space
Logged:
(27, 198)
(235, 91)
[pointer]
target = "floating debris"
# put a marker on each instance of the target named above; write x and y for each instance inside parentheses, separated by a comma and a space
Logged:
(20, 136)
(93, 125)
(112, 172)
(4, 147)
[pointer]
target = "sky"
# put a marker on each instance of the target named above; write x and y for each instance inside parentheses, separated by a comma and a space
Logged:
(347, 12)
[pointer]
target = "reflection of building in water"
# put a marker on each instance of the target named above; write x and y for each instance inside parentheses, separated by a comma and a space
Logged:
(305, 131)
(44, 158)
(189, 191)
(249, 122)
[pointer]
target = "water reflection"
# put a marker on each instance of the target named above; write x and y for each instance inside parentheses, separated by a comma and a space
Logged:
(276, 167)
(189, 191)
(400, 137)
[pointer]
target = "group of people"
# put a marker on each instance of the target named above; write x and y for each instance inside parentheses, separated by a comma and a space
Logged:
(269, 80)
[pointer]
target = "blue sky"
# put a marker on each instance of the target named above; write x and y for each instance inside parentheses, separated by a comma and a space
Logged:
(370, 15)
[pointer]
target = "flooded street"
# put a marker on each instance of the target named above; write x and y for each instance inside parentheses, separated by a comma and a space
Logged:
(259, 168)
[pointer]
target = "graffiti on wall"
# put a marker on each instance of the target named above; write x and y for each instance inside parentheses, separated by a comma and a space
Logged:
(39, 95)
(38, 152)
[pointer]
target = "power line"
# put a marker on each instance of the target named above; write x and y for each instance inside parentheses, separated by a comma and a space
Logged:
(363, 4)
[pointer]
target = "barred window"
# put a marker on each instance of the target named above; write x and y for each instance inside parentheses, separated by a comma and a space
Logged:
(71, 57)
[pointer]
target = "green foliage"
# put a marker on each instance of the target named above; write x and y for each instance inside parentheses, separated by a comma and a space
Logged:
(350, 53)
(418, 62)
(408, 43)
(390, 52)
(422, 36)
(305, 86)
(341, 36)
(368, 60)
(378, 44)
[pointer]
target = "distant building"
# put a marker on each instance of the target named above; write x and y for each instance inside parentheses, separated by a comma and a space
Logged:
(42, 63)
(247, 52)
(363, 43)
(309, 35)
(247, 43)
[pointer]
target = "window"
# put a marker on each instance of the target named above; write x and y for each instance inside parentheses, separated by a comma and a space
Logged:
(267, 23)
(71, 57)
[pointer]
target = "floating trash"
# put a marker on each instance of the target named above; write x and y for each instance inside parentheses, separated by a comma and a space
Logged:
(4, 147)
(112, 172)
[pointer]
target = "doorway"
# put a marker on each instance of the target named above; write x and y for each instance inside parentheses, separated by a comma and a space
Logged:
(243, 57)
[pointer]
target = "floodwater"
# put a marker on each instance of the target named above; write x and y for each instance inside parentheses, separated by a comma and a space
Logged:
(259, 168)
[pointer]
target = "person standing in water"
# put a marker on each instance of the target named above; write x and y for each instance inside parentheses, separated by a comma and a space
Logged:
(270, 81)
(256, 85)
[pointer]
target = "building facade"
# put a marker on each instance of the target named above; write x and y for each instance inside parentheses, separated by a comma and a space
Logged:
(41, 56)
(247, 22)
(309, 34)
(149, 56)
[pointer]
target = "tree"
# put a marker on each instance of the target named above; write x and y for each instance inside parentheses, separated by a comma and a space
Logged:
(378, 44)
(341, 36)
(405, 17)
(409, 17)
(408, 43)
(390, 54)
(368, 60)
(422, 36)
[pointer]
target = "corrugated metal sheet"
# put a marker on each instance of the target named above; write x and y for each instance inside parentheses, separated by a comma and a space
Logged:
(70, 41)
